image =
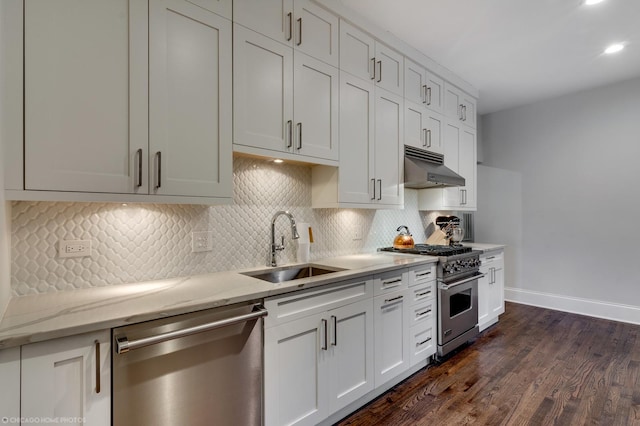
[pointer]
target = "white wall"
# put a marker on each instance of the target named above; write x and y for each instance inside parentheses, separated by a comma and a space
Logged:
(579, 160)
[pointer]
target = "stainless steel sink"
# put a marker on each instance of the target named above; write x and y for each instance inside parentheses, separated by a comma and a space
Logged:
(278, 275)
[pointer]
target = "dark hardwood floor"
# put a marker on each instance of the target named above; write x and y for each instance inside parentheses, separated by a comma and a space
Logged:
(535, 367)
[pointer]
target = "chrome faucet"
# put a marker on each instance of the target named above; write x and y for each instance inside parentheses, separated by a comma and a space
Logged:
(278, 247)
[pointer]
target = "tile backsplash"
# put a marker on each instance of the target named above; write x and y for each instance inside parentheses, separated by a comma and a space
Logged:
(140, 242)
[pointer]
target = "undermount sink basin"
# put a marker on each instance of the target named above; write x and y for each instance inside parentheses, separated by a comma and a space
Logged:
(278, 275)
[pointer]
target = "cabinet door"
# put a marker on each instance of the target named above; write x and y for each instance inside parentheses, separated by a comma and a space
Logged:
(415, 85)
(496, 299)
(295, 372)
(272, 18)
(483, 297)
(389, 139)
(389, 73)
(434, 125)
(68, 378)
(351, 347)
(415, 129)
(467, 167)
(85, 96)
(452, 197)
(392, 352)
(221, 7)
(316, 108)
(190, 100)
(316, 31)
(356, 139)
(459, 105)
(433, 92)
(357, 51)
(263, 91)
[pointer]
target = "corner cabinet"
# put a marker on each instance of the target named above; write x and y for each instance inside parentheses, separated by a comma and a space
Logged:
(124, 108)
(68, 379)
(491, 288)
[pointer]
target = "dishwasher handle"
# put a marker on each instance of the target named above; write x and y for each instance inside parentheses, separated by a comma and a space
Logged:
(123, 345)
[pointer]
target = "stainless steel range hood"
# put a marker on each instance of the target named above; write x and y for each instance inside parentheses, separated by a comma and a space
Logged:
(426, 169)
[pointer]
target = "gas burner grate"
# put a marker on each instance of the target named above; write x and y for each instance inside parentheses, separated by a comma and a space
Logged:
(431, 250)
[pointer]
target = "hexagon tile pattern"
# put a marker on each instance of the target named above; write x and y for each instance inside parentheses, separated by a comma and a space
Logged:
(140, 242)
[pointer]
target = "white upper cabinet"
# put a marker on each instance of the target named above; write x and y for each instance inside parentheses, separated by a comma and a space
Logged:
(423, 128)
(189, 100)
(388, 181)
(459, 105)
(422, 87)
(284, 102)
(116, 104)
(85, 78)
(459, 151)
(367, 58)
(301, 24)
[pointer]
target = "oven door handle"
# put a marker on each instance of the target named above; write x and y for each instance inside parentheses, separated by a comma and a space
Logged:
(443, 286)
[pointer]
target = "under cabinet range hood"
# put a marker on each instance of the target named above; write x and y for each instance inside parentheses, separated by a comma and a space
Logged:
(426, 169)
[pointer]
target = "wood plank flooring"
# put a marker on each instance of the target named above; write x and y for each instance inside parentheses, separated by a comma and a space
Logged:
(535, 367)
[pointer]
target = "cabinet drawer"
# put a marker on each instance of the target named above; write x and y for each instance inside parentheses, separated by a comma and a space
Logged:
(423, 343)
(423, 312)
(390, 281)
(423, 292)
(301, 304)
(492, 259)
(421, 275)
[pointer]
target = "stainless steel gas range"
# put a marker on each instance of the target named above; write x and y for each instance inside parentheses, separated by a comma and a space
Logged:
(458, 272)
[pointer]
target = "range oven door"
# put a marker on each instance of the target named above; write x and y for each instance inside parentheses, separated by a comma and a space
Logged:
(458, 312)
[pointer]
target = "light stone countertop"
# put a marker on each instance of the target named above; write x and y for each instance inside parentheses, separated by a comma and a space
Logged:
(41, 317)
(483, 247)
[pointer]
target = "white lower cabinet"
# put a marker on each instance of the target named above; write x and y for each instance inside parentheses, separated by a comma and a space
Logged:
(317, 364)
(67, 379)
(491, 289)
(422, 313)
(10, 383)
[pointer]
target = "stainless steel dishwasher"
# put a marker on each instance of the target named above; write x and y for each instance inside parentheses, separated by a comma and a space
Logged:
(202, 368)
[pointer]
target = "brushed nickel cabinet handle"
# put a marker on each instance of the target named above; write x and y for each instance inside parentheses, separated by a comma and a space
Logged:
(423, 342)
(290, 26)
(299, 135)
(393, 299)
(299, 32)
(335, 330)
(387, 284)
(423, 274)
(159, 168)
(428, 138)
(372, 71)
(423, 294)
(373, 181)
(97, 343)
(380, 189)
(290, 131)
(428, 95)
(325, 345)
(380, 73)
(139, 154)
(464, 113)
(423, 94)
(424, 137)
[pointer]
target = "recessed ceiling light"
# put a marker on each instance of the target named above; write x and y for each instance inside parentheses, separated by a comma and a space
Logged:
(592, 2)
(277, 160)
(614, 48)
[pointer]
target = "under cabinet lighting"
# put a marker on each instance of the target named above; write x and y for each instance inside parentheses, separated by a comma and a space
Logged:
(277, 160)
(614, 48)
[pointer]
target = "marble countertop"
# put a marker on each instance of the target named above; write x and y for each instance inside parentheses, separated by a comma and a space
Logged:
(484, 247)
(41, 317)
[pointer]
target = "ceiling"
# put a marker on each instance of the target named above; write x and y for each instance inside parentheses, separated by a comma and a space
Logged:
(517, 52)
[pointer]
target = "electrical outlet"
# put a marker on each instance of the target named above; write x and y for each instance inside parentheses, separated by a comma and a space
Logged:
(201, 241)
(74, 248)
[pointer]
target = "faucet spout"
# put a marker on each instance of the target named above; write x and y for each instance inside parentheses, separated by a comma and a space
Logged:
(294, 234)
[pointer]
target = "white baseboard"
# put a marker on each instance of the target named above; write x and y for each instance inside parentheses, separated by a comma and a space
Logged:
(592, 308)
